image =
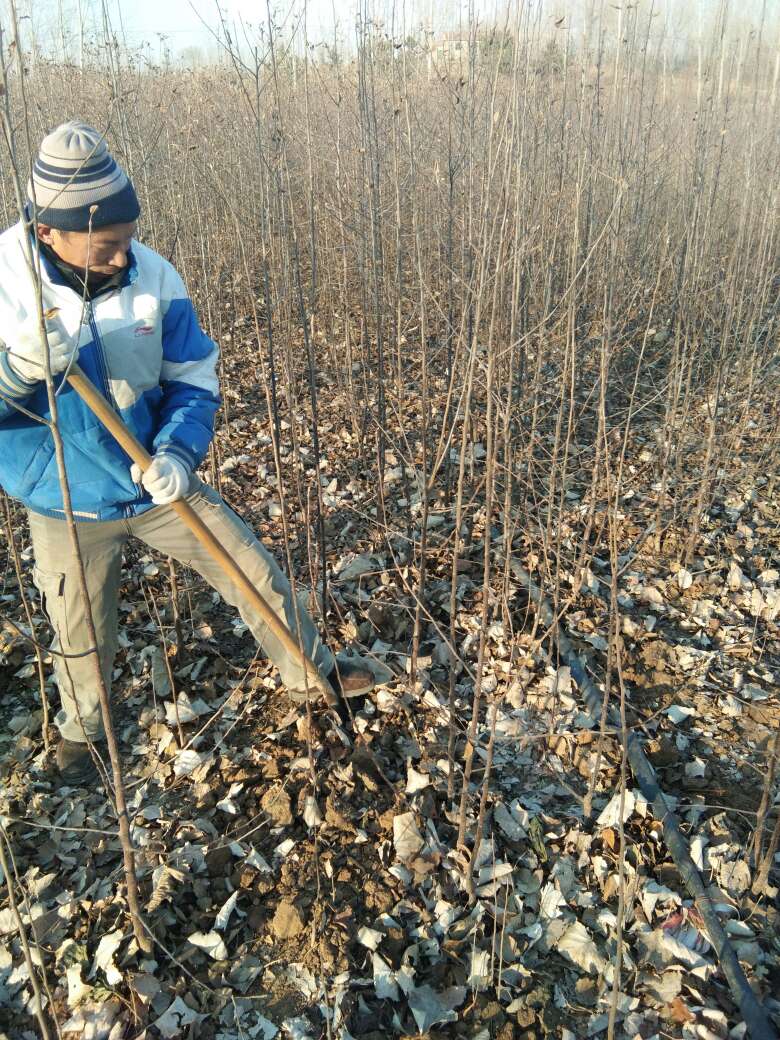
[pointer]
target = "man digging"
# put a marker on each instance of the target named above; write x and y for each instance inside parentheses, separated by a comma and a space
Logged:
(123, 312)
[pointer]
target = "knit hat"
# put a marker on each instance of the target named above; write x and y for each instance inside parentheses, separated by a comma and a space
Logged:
(75, 171)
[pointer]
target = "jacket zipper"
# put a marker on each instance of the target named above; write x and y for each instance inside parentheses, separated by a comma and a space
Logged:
(103, 368)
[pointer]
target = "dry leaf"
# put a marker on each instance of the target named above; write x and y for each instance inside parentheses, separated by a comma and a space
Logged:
(406, 836)
(177, 1019)
(211, 943)
(680, 1013)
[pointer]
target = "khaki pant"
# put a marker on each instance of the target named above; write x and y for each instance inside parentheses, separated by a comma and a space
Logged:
(101, 548)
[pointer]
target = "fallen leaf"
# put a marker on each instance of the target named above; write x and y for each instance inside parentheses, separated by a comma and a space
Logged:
(680, 1013)
(94, 1022)
(221, 922)
(370, 937)
(416, 781)
(579, 947)
(479, 974)
(678, 713)
(312, 816)
(174, 1023)
(610, 814)
(430, 1008)
(104, 958)
(187, 761)
(211, 943)
(406, 836)
(78, 990)
(385, 985)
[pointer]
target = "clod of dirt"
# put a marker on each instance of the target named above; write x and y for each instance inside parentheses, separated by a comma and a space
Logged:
(287, 922)
(276, 804)
(218, 861)
(334, 817)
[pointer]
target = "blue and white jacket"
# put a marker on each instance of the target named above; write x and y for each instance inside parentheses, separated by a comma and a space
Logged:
(142, 346)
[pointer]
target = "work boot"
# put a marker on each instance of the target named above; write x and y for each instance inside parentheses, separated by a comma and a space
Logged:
(75, 763)
(351, 679)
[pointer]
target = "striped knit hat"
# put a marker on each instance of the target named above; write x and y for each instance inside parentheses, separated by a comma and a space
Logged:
(75, 171)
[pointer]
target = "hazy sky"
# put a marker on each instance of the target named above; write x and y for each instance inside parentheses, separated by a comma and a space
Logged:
(182, 21)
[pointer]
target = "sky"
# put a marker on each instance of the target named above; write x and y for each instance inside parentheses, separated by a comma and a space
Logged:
(181, 22)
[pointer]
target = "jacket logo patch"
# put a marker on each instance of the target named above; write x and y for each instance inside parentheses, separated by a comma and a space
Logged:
(144, 330)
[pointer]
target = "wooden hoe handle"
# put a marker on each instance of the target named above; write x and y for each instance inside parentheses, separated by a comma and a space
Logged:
(103, 410)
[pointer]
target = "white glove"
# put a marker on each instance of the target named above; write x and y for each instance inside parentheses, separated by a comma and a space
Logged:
(26, 354)
(167, 479)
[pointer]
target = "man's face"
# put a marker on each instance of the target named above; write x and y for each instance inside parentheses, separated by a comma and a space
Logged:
(102, 250)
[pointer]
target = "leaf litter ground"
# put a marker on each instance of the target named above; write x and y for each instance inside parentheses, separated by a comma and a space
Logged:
(283, 908)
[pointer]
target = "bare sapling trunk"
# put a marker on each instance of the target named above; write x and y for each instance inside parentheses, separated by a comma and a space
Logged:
(33, 261)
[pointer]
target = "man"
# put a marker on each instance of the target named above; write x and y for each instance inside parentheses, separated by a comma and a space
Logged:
(123, 312)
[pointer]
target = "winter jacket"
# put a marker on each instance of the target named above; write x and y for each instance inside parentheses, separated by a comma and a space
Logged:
(142, 347)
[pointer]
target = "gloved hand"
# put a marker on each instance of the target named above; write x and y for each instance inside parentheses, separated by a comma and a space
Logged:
(167, 479)
(25, 354)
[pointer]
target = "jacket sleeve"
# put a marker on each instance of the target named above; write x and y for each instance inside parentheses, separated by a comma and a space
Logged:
(190, 388)
(12, 387)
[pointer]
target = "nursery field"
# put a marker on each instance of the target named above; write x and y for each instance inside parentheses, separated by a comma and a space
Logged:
(501, 391)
